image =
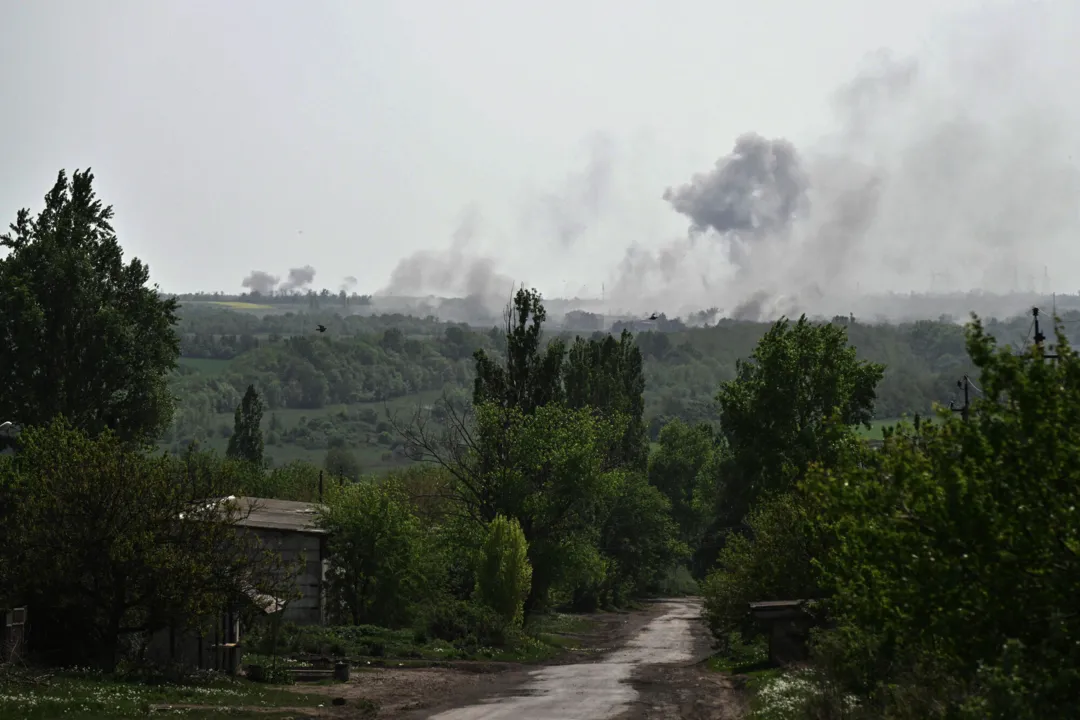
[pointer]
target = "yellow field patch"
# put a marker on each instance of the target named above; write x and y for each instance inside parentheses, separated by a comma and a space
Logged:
(241, 305)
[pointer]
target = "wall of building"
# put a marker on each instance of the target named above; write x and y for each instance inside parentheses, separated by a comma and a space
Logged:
(306, 549)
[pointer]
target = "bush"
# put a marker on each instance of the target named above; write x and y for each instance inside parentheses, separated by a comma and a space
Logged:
(772, 562)
(504, 574)
(374, 548)
(467, 625)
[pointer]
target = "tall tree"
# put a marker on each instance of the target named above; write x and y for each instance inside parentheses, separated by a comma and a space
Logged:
(532, 374)
(83, 334)
(606, 374)
(776, 416)
(246, 442)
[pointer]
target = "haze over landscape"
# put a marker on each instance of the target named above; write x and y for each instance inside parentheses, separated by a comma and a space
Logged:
(766, 160)
(601, 360)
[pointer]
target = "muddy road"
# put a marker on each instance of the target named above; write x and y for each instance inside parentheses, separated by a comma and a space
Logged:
(643, 665)
(605, 688)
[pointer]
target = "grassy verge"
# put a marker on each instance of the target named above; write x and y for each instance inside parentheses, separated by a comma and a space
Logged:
(88, 696)
(742, 657)
(370, 645)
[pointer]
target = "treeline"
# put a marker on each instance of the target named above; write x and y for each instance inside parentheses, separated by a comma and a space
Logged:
(379, 358)
(310, 297)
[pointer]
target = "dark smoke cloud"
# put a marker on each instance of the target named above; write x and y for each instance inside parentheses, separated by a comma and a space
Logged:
(952, 171)
(299, 278)
(260, 282)
(755, 191)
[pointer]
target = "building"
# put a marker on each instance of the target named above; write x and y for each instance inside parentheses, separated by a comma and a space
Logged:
(288, 528)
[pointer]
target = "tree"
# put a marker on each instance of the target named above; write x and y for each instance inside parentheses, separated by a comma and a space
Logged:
(104, 542)
(340, 462)
(957, 548)
(504, 575)
(777, 415)
(246, 442)
(606, 374)
(674, 467)
(639, 538)
(373, 546)
(531, 376)
(83, 334)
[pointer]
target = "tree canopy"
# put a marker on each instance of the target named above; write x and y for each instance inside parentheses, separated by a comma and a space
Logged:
(83, 334)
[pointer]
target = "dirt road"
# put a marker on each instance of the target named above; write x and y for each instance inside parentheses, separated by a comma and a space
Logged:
(614, 686)
(636, 665)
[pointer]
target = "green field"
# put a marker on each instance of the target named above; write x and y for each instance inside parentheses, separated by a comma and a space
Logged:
(207, 366)
(373, 457)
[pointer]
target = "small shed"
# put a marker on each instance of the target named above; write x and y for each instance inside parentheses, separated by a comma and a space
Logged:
(788, 623)
(289, 528)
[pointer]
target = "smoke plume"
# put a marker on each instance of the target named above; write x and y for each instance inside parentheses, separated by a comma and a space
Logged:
(348, 284)
(299, 278)
(260, 282)
(754, 192)
(959, 165)
(456, 271)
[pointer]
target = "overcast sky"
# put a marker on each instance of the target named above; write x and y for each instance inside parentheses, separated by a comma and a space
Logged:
(238, 136)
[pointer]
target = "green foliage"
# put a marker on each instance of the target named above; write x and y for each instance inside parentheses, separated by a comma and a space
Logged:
(342, 463)
(777, 416)
(373, 546)
(531, 377)
(606, 375)
(246, 441)
(103, 542)
(504, 575)
(674, 468)
(772, 562)
(640, 540)
(84, 336)
(957, 551)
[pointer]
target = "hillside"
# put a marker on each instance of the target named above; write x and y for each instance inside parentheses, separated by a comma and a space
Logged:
(336, 387)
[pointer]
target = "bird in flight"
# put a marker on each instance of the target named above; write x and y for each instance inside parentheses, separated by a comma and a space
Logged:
(320, 328)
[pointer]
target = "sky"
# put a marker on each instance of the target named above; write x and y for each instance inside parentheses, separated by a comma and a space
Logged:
(427, 146)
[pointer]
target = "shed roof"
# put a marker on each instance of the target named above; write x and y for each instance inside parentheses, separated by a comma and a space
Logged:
(266, 514)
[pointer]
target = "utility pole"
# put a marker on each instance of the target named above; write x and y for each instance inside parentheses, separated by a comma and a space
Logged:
(965, 409)
(1039, 337)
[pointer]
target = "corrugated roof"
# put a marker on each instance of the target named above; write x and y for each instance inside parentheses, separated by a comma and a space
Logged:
(267, 514)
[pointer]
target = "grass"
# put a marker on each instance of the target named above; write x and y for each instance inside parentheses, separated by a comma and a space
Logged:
(742, 658)
(877, 427)
(205, 366)
(374, 646)
(371, 455)
(90, 696)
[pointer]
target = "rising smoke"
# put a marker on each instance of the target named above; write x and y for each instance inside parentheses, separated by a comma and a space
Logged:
(260, 282)
(299, 278)
(457, 271)
(960, 168)
(949, 171)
